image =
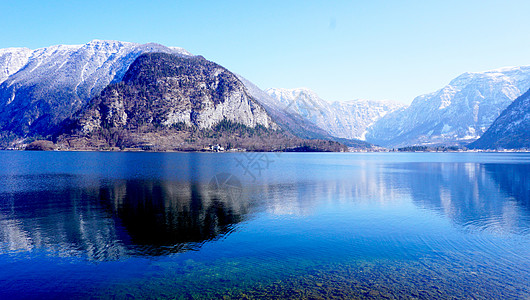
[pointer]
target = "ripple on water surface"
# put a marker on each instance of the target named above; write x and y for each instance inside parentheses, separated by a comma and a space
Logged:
(309, 226)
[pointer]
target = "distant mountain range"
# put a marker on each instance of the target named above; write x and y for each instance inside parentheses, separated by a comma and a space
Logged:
(111, 93)
(457, 114)
(349, 119)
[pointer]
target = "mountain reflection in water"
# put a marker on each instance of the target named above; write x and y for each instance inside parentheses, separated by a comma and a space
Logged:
(491, 197)
(108, 218)
(162, 217)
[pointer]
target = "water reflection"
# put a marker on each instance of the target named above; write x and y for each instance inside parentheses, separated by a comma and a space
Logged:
(107, 218)
(161, 216)
(477, 196)
(473, 196)
(513, 179)
(75, 215)
(51, 213)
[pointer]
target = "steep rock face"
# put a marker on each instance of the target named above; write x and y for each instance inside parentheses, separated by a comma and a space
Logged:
(458, 113)
(511, 130)
(171, 102)
(162, 91)
(348, 120)
(40, 88)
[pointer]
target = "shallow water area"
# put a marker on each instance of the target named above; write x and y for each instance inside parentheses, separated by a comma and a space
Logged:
(264, 225)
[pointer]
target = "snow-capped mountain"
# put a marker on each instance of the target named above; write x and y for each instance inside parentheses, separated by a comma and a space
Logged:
(12, 60)
(511, 130)
(348, 119)
(162, 89)
(356, 116)
(291, 122)
(40, 88)
(163, 100)
(458, 113)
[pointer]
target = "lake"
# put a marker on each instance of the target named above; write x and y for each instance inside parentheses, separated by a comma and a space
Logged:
(264, 225)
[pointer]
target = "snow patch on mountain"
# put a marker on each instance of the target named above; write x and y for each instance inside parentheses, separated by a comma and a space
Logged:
(349, 119)
(511, 130)
(12, 60)
(459, 112)
(54, 82)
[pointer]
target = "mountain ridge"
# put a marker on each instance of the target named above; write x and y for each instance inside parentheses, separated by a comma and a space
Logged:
(347, 119)
(511, 130)
(170, 102)
(41, 88)
(296, 123)
(54, 82)
(456, 114)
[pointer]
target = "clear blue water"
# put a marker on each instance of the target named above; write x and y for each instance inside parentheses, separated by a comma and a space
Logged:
(264, 225)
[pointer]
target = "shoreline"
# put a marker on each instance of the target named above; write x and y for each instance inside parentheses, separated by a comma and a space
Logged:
(257, 151)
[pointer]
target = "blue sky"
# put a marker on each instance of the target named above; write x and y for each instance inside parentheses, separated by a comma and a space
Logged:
(343, 50)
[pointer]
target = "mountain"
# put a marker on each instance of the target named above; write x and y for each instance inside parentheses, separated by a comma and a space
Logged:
(294, 122)
(348, 120)
(291, 122)
(456, 114)
(175, 102)
(43, 90)
(12, 60)
(511, 130)
(40, 88)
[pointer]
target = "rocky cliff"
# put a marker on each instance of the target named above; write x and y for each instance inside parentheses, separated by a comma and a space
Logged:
(167, 90)
(173, 102)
